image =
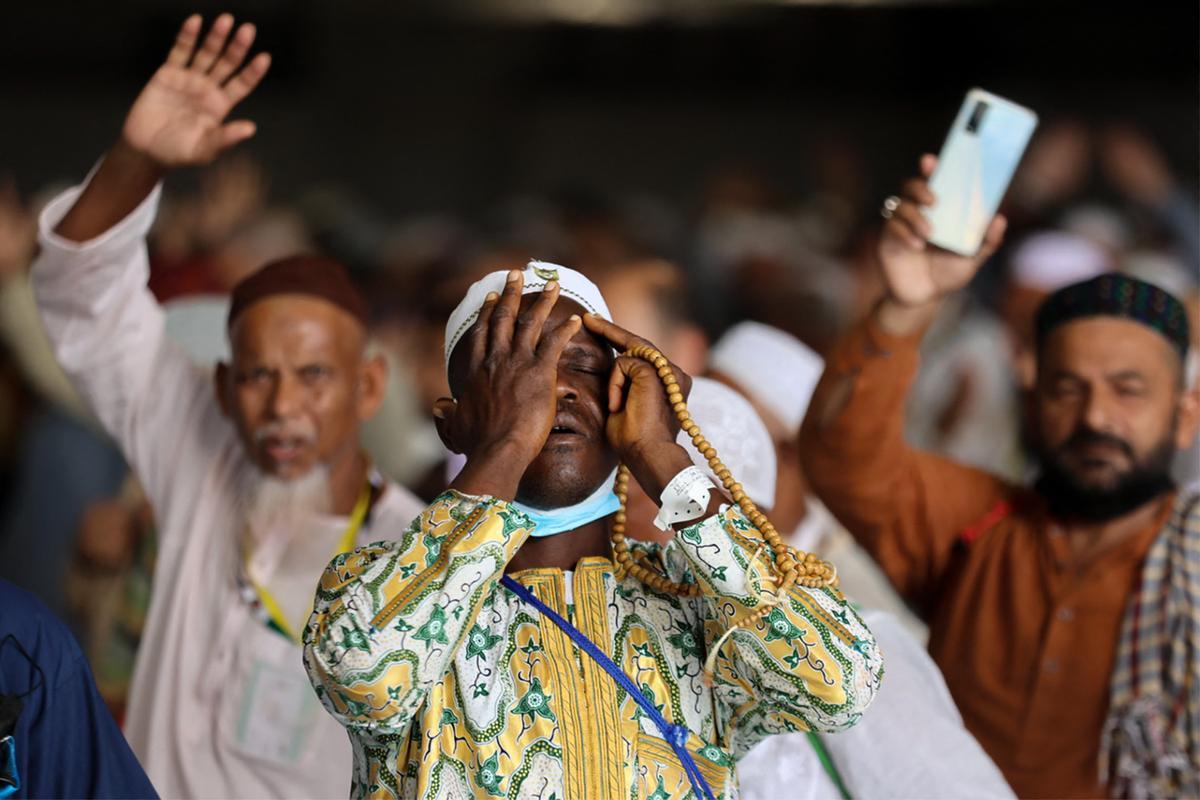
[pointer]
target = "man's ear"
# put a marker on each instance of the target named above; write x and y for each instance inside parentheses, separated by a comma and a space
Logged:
(221, 386)
(372, 386)
(444, 409)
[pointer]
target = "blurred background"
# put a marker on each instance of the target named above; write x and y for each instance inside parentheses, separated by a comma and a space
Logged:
(454, 106)
(708, 161)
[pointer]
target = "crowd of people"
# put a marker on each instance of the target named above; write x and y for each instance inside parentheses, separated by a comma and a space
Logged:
(595, 499)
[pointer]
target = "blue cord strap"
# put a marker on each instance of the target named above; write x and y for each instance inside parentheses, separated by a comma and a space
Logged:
(675, 735)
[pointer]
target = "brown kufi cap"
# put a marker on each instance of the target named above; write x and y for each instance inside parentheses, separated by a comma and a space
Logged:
(316, 276)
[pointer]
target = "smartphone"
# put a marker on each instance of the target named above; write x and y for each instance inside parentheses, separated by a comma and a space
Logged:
(975, 167)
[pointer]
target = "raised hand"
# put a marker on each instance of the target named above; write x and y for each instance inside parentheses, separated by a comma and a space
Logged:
(179, 117)
(642, 423)
(177, 120)
(918, 275)
(506, 406)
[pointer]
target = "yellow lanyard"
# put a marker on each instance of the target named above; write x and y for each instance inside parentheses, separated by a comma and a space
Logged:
(271, 606)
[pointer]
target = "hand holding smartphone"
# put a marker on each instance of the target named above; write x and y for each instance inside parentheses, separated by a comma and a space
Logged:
(974, 169)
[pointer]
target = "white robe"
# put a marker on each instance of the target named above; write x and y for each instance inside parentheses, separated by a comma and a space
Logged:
(909, 744)
(220, 705)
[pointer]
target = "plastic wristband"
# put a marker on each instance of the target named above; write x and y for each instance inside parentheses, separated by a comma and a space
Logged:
(684, 499)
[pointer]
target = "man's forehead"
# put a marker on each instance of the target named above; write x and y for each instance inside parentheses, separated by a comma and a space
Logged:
(294, 317)
(1107, 343)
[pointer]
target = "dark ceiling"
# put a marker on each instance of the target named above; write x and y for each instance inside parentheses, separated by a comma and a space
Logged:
(450, 105)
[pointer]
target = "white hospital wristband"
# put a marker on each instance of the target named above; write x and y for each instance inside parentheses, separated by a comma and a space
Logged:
(684, 499)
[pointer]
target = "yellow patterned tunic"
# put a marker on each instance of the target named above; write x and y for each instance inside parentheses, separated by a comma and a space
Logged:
(452, 687)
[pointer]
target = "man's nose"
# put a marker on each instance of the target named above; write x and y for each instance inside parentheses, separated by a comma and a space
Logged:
(566, 389)
(285, 397)
(1097, 411)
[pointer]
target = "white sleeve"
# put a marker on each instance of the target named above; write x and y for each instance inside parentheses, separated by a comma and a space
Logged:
(912, 742)
(107, 332)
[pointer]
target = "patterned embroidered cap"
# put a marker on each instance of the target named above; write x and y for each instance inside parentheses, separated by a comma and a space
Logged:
(572, 285)
(1115, 295)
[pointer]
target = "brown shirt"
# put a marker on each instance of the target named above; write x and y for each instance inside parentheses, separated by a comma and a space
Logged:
(1026, 640)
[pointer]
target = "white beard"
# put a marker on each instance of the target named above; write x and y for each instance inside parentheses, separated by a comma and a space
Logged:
(279, 512)
(287, 524)
(267, 502)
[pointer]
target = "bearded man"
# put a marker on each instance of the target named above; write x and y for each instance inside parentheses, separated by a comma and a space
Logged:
(1064, 615)
(255, 484)
(499, 648)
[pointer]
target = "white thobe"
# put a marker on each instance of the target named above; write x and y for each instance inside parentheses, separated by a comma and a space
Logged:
(911, 743)
(219, 704)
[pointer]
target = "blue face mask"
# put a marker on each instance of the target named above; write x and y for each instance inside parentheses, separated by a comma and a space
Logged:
(550, 521)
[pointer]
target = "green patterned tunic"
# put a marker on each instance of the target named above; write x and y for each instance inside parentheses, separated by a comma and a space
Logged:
(451, 687)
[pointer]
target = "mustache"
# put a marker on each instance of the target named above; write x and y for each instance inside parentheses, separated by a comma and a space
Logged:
(285, 430)
(1089, 436)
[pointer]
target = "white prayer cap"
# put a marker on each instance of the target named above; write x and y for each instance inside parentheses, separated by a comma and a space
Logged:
(775, 368)
(1163, 270)
(739, 435)
(572, 285)
(1104, 226)
(1051, 260)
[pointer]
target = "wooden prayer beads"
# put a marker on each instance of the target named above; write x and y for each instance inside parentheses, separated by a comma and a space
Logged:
(790, 566)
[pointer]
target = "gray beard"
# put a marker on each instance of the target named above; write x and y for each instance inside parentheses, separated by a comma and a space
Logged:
(270, 505)
(288, 542)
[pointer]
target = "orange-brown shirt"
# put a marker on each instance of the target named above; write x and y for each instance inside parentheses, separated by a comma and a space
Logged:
(1025, 639)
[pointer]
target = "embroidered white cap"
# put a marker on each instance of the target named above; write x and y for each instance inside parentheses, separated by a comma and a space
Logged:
(772, 366)
(573, 285)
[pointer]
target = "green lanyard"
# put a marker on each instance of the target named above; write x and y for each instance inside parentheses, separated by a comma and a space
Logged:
(827, 763)
(830, 769)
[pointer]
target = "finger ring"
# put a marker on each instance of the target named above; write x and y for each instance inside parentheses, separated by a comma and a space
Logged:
(889, 206)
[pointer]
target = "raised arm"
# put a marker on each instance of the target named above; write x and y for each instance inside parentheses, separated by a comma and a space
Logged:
(90, 278)
(905, 506)
(178, 120)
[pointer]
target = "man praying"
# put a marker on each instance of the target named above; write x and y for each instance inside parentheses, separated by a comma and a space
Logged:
(512, 642)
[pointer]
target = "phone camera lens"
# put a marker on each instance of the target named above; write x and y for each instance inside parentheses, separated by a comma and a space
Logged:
(976, 117)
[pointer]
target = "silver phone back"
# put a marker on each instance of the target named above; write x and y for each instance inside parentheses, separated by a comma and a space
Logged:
(976, 164)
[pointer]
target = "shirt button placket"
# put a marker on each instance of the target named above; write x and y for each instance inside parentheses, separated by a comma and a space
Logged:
(1045, 700)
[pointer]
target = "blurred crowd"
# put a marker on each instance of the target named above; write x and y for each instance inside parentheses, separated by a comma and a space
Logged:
(1085, 201)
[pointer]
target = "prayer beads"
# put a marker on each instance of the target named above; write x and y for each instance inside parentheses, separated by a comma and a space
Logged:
(789, 565)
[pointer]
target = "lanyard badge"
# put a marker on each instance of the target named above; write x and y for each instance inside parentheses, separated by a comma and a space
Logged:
(263, 604)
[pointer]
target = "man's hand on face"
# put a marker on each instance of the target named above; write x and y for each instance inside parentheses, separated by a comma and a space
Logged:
(917, 275)
(642, 425)
(179, 118)
(505, 412)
